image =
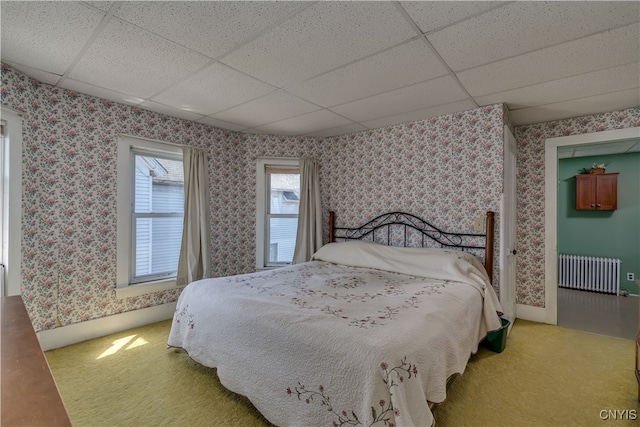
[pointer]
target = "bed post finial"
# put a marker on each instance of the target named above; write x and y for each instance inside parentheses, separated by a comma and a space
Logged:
(488, 252)
(332, 226)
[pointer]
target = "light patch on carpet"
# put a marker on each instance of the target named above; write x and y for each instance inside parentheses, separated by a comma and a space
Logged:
(122, 342)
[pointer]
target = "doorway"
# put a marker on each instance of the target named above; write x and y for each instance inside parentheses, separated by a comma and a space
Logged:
(508, 226)
(553, 146)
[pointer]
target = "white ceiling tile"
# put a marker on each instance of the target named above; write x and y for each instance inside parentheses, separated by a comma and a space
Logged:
(408, 63)
(101, 5)
(320, 38)
(432, 15)
(39, 75)
(422, 114)
(273, 107)
(221, 124)
(598, 149)
(603, 50)
(522, 27)
(46, 35)
(307, 123)
(215, 88)
(342, 130)
(128, 59)
(100, 92)
(187, 23)
(577, 107)
(589, 84)
(442, 90)
(170, 111)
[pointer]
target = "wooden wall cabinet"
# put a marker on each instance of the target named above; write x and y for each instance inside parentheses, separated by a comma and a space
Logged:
(597, 192)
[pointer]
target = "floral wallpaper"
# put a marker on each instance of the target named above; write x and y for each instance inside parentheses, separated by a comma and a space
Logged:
(447, 169)
(69, 196)
(530, 191)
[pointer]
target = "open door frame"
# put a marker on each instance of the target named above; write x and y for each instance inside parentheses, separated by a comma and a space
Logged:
(550, 314)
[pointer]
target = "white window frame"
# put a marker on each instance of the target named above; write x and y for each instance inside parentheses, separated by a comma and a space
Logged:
(127, 145)
(261, 208)
(12, 201)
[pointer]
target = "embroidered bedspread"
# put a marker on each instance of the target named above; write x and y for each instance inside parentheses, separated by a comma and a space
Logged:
(322, 343)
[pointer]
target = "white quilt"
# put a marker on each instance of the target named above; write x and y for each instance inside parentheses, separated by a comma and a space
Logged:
(345, 339)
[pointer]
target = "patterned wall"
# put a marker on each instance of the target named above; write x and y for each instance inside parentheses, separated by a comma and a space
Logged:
(530, 189)
(69, 195)
(447, 169)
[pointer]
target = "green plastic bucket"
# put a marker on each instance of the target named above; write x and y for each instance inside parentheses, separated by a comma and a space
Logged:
(497, 340)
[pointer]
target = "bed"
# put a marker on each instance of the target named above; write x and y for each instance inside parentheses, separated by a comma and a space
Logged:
(369, 332)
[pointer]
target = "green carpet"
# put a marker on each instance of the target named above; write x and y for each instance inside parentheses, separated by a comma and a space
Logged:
(547, 376)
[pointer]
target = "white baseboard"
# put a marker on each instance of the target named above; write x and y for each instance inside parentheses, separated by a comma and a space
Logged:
(78, 332)
(534, 314)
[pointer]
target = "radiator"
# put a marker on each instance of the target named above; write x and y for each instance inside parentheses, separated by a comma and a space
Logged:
(589, 273)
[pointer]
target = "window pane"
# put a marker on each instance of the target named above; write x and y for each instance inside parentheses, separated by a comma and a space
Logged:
(284, 193)
(282, 239)
(157, 245)
(159, 185)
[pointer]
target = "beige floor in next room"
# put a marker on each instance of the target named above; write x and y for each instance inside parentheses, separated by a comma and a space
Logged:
(611, 315)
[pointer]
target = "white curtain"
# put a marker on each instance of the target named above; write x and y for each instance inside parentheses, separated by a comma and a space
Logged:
(309, 233)
(195, 252)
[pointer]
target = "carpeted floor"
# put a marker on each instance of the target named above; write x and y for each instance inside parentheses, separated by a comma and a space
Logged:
(547, 376)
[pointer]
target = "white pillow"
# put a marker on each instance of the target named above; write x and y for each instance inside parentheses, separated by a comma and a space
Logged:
(443, 264)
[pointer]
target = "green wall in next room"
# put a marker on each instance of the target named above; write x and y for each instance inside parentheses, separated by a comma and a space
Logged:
(611, 234)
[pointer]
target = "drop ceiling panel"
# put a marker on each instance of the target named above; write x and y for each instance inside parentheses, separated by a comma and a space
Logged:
(273, 107)
(320, 38)
(367, 61)
(597, 52)
(599, 149)
(353, 128)
(170, 111)
(409, 63)
(100, 92)
(577, 107)
(522, 27)
(221, 124)
(130, 60)
(421, 114)
(102, 5)
(433, 15)
(46, 35)
(186, 22)
(442, 90)
(39, 75)
(215, 88)
(305, 124)
(583, 85)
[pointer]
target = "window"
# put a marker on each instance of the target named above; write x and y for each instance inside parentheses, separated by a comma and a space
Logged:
(278, 200)
(11, 201)
(150, 215)
(156, 217)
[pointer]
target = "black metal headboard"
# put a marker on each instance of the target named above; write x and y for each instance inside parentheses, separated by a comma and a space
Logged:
(408, 226)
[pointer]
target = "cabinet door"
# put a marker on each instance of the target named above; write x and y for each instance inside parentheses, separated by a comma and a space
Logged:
(607, 192)
(585, 192)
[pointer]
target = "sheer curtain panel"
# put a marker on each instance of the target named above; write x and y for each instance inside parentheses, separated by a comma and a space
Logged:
(195, 251)
(309, 233)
